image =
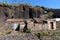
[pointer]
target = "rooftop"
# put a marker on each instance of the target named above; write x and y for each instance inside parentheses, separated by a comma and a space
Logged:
(15, 20)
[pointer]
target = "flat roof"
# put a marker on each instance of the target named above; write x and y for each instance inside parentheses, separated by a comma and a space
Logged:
(15, 20)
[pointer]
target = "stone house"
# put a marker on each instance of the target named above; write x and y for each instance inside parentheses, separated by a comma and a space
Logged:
(16, 24)
(50, 24)
(34, 25)
(57, 23)
(39, 25)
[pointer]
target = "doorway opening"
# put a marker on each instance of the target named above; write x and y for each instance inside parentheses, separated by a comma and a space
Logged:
(25, 28)
(16, 27)
(51, 24)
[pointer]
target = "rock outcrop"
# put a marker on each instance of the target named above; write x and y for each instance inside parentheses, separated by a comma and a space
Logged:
(20, 11)
(24, 11)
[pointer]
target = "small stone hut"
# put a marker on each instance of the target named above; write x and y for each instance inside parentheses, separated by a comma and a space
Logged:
(38, 24)
(49, 24)
(16, 24)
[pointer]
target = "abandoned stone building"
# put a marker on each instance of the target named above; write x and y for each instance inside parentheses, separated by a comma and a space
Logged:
(34, 25)
(16, 24)
(38, 24)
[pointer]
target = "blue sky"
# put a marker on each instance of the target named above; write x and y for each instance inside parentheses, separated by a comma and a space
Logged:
(45, 3)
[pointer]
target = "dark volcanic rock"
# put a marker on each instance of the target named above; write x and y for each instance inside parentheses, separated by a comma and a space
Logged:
(24, 11)
(20, 11)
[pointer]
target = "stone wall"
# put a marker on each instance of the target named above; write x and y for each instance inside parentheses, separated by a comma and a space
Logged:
(37, 26)
(29, 36)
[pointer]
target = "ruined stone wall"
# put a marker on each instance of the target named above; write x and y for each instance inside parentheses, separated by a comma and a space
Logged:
(36, 27)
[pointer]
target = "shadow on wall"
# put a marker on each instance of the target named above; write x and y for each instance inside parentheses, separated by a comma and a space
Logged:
(25, 28)
(18, 28)
(30, 13)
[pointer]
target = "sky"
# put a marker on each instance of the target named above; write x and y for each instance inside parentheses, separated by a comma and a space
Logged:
(45, 3)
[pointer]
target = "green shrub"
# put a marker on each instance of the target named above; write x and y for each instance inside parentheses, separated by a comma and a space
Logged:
(28, 31)
(46, 33)
(58, 27)
(56, 34)
(2, 34)
(38, 34)
(43, 34)
(8, 31)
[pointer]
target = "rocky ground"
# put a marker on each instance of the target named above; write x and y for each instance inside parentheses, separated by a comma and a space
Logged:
(29, 36)
(20, 37)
